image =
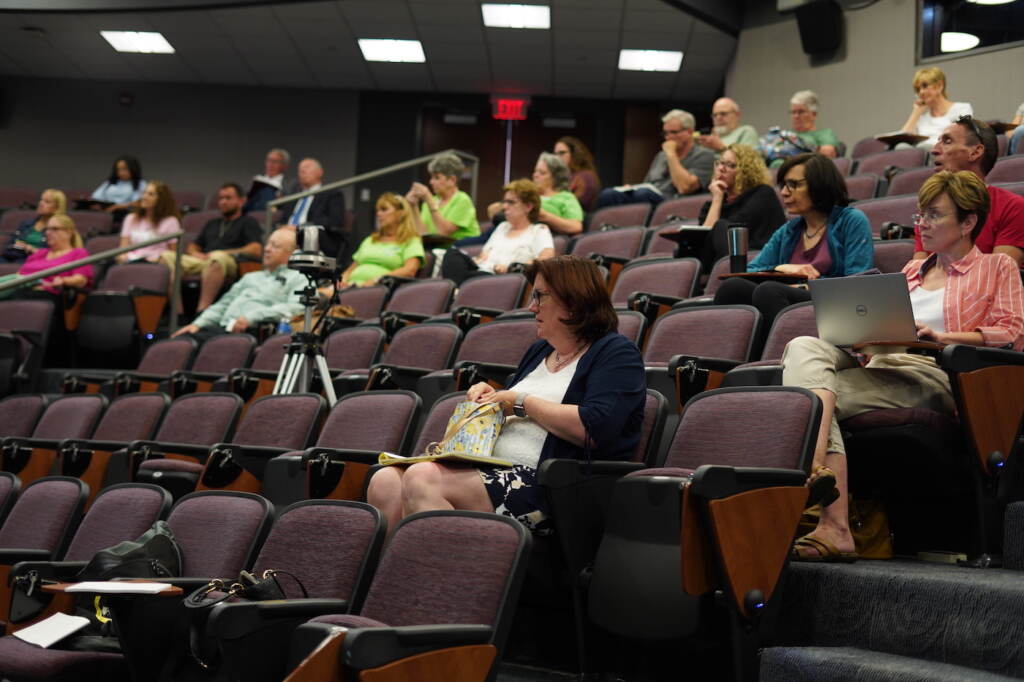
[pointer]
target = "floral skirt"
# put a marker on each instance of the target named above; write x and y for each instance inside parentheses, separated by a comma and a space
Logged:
(513, 493)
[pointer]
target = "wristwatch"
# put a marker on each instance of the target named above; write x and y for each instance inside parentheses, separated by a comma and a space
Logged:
(518, 408)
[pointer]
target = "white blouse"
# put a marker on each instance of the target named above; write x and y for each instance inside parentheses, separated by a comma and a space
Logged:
(927, 306)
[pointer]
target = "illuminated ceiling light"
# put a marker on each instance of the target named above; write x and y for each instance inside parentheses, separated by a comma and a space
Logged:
(516, 16)
(650, 60)
(387, 50)
(952, 41)
(146, 42)
(990, 2)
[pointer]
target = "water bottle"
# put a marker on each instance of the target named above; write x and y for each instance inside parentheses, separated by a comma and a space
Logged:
(738, 236)
(284, 326)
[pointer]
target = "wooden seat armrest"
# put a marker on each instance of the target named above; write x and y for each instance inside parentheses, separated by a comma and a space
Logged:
(373, 647)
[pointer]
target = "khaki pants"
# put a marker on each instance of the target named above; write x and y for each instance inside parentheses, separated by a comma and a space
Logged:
(190, 265)
(888, 381)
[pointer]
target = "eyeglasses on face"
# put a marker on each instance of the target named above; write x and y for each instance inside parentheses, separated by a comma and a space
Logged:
(793, 184)
(666, 133)
(929, 217)
(539, 296)
(726, 164)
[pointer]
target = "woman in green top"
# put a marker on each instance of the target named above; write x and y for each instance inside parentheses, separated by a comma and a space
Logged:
(560, 209)
(448, 211)
(394, 248)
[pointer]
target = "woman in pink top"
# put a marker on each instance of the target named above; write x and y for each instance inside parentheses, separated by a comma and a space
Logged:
(63, 245)
(958, 294)
(156, 215)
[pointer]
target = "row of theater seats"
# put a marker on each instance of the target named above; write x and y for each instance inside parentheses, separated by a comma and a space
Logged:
(20, 197)
(884, 176)
(335, 569)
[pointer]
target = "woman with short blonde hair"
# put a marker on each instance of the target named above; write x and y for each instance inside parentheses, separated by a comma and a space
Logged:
(932, 112)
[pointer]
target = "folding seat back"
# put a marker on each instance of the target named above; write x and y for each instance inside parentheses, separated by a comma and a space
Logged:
(795, 320)
(44, 517)
(724, 332)
(501, 342)
(28, 324)
(621, 243)
(120, 512)
(433, 427)
(330, 547)
(669, 277)
(167, 355)
(863, 186)
(259, 378)
(896, 209)
(900, 158)
(281, 421)
(131, 299)
(92, 222)
(843, 164)
(655, 414)
(561, 244)
(1007, 169)
(193, 222)
(627, 215)
(868, 145)
(189, 200)
(495, 293)
(909, 180)
(131, 417)
(681, 208)
(65, 417)
(269, 353)
(354, 348)
(429, 346)
(632, 325)
(19, 414)
(200, 419)
(472, 564)
(1015, 187)
(655, 245)
(221, 354)
(367, 302)
(9, 220)
(219, 531)
(892, 254)
(426, 298)
(10, 486)
(14, 197)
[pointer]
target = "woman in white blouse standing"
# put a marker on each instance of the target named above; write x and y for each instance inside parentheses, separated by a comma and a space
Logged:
(933, 112)
(519, 239)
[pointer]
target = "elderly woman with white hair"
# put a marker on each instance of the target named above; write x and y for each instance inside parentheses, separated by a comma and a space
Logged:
(560, 209)
(447, 211)
(681, 167)
(804, 136)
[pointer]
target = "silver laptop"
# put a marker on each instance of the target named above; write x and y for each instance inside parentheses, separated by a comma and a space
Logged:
(851, 310)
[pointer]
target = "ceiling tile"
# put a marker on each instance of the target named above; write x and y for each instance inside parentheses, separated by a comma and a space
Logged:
(657, 22)
(447, 14)
(118, 22)
(653, 41)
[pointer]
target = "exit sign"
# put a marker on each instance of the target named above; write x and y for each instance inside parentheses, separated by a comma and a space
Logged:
(509, 108)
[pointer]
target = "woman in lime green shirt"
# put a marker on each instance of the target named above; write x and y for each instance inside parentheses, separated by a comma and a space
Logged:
(394, 248)
(448, 211)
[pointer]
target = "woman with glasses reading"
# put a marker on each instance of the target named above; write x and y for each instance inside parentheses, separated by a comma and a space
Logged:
(958, 294)
(579, 393)
(63, 245)
(740, 194)
(520, 238)
(827, 238)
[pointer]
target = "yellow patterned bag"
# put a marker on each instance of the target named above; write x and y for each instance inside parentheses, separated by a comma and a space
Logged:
(472, 430)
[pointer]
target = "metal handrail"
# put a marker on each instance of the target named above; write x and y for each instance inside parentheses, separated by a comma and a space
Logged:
(474, 163)
(113, 253)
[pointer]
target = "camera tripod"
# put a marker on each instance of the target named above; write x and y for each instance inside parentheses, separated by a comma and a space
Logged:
(304, 354)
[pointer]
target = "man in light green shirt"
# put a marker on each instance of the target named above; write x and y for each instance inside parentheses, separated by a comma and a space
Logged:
(265, 295)
(725, 114)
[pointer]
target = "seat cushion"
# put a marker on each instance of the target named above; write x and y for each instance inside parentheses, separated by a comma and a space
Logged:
(663, 471)
(903, 416)
(349, 621)
(21, 660)
(167, 464)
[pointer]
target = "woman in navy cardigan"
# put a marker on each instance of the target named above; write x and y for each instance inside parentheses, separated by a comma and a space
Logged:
(578, 392)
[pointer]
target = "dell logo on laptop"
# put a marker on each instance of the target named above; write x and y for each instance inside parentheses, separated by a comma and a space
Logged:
(862, 310)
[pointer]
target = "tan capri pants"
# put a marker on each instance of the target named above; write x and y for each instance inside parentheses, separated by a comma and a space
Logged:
(190, 265)
(888, 381)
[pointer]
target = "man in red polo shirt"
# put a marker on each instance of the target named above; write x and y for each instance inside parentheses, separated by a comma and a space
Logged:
(971, 145)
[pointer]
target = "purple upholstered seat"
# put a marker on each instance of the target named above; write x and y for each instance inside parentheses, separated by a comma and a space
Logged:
(167, 355)
(795, 320)
(354, 348)
(863, 186)
(724, 332)
(45, 516)
(868, 145)
(632, 325)
(371, 420)
(133, 416)
(221, 354)
(120, 512)
(10, 486)
(683, 207)
(19, 414)
(896, 209)
(427, 297)
(909, 180)
(218, 532)
(900, 158)
(674, 277)
(436, 420)
(70, 416)
(500, 292)
(1007, 169)
(892, 254)
(200, 419)
(627, 215)
(624, 242)
(367, 302)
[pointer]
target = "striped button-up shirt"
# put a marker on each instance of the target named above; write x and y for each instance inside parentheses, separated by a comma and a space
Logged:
(983, 294)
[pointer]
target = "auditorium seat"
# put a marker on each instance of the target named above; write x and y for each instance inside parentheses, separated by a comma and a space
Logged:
(722, 334)
(909, 180)
(1003, 142)
(656, 246)
(354, 348)
(415, 351)
(158, 362)
(868, 145)
(683, 207)
(626, 215)
(489, 352)
(193, 223)
(215, 359)
(652, 286)
(258, 379)
(632, 325)
(1007, 169)
(481, 299)
(415, 301)
(189, 200)
(668, 525)
(892, 254)
(12, 218)
(331, 548)
(1015, 187)
(610, 249)
(863, 186)
(471, 565)
(879, 162)
(16, 198)
(843, 164)
(20, 413)
(10, 487)
(124, 309)
(897, 209)
(129, 418)
(92, 222)
(218, 534)
(119, 513)
(358, 428)
(270, 426)
(70, 416)
(366, 302)
(24, 337)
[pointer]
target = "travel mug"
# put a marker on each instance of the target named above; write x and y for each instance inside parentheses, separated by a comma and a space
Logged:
(738, 248)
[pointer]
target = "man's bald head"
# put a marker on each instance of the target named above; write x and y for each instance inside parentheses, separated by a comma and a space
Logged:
(725, 114)
(279, 248)
(310, 173)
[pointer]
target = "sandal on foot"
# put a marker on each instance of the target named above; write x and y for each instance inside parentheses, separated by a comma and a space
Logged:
(821, 487)
(824, 552)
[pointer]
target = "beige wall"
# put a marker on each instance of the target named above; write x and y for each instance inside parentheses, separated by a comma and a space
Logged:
(866, 91)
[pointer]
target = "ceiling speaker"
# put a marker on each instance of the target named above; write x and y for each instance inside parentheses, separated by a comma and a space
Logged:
(821, 26)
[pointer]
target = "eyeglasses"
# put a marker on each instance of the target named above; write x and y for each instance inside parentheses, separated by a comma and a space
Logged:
(538, 297)
(799, 112)
(666, 133)
(929, 217)
(793, 184)
(726, 164)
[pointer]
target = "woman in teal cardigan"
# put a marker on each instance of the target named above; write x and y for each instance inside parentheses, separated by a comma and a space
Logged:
(828, 238)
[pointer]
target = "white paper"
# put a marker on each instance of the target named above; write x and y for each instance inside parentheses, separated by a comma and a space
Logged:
(53, 629)
(118, 587)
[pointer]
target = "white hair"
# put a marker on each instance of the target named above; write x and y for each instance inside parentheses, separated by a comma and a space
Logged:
(806, 97)
(283, 153)
(685, 118)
